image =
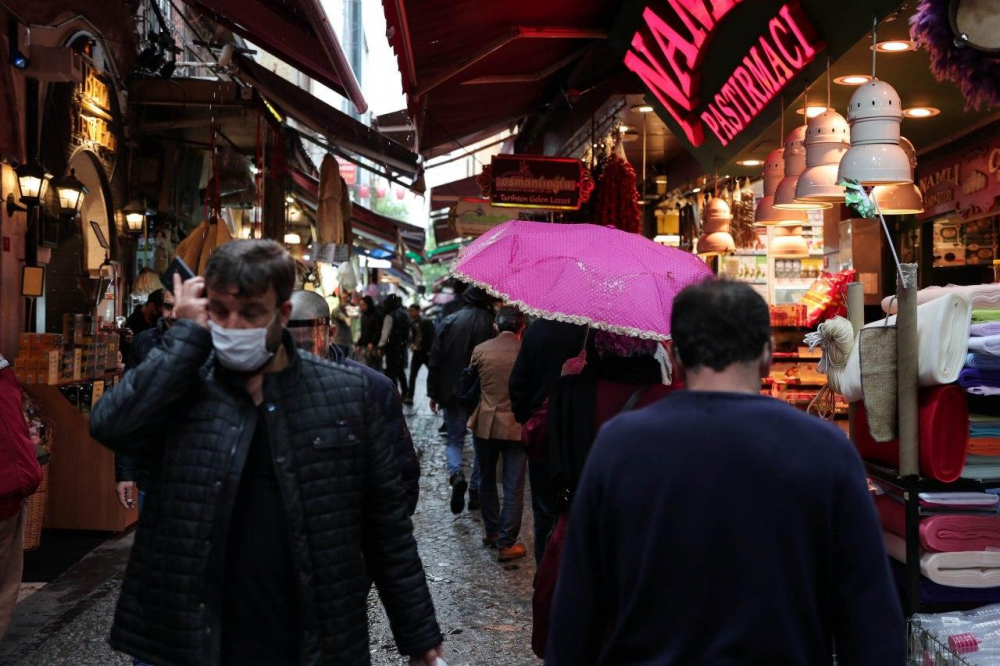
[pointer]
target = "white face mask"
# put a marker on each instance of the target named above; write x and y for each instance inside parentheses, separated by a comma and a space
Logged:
(240, 349)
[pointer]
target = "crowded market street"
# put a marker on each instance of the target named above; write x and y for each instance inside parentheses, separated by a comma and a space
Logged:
(452, 332)
(484, 607)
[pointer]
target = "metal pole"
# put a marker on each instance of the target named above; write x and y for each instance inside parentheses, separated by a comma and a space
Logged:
(856, 313)
(906, 370)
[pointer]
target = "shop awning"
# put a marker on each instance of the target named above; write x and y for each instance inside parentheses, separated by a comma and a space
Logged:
(443, 196)
(385, 230)
(298, 32)
(340, 129)
(468, 66)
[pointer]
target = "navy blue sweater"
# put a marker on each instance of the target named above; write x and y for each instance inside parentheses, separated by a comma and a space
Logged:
(723, 528)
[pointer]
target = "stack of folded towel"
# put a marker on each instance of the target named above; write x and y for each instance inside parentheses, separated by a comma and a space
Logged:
(959, 539)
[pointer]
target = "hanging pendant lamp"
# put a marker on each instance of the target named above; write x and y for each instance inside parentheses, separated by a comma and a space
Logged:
(788, 242)
(766, 214)
(828, 137)
(904, 199)
(795, 164)
(715, 237)
(875, 157)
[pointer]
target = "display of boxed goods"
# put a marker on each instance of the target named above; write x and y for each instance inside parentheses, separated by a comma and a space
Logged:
(81, 351)
(788, 315)
(39, 359)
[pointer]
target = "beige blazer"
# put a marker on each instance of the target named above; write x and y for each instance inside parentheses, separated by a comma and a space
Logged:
(493, 418)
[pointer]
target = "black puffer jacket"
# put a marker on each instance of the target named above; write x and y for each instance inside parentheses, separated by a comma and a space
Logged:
(346, 508)
(460, 333)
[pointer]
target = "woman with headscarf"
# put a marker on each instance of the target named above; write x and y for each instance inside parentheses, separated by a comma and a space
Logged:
(619, 373)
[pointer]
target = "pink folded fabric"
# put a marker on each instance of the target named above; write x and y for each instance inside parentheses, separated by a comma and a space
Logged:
(954, 533)
(946, 533)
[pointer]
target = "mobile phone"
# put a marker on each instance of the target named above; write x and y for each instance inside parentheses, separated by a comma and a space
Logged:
(176, 267)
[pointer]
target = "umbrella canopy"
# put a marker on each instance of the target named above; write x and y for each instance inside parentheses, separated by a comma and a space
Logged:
(582, 273)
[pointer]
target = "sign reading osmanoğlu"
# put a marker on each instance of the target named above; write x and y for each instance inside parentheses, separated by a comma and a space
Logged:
(534, 181)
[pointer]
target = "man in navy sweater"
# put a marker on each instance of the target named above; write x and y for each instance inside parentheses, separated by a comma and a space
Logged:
(722, 527)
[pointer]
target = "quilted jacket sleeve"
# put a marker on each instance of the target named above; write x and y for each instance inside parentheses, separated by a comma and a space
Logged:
(406, 457)
(390, 549)
(148, 396)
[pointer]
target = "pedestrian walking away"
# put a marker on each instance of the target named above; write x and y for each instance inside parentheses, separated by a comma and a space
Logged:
(497, 437)
(372, 321)
(341, 320)
(452, 351)
(621, 373)
(810, 560)
(312, 332)
(277, 486)
(545, 347)
(422, 337)
(395, 340)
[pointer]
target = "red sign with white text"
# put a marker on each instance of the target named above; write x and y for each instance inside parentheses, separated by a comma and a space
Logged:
(675, 39)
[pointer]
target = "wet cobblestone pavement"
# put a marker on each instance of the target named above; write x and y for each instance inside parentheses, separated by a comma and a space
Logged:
(484, 607)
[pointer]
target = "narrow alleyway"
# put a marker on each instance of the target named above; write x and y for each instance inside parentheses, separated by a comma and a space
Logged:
(484, 607)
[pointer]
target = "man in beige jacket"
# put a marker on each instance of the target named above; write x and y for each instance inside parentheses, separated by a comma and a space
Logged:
(497, 436)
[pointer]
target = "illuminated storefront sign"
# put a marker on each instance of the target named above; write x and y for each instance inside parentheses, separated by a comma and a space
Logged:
(91, 115)
(674, 40)
(534, 181)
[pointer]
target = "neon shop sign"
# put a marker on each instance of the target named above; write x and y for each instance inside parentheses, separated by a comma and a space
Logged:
(675, 39)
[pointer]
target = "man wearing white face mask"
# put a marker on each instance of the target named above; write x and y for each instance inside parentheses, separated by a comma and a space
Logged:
(279, 494)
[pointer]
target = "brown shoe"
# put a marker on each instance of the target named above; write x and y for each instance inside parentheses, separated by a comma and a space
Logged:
(512, 553)
(490, 540)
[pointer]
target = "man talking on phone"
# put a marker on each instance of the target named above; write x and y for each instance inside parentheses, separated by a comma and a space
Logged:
(277, 494)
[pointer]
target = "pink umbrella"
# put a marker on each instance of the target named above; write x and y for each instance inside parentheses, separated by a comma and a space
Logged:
(582, 273)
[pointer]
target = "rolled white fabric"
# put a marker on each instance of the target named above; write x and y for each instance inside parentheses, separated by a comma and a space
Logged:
(973, 568)
(983, 296)
(988, 345)
(943, 332)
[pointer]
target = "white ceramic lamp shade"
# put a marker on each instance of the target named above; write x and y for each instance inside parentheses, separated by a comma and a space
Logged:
(875, 157)
(788, 242)
(766, 214)
(828, 137)
(903, 199)
(715, 237)
(795, 164)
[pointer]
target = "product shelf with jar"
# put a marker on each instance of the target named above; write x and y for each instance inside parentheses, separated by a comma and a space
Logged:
(790, 275)
(65, 374)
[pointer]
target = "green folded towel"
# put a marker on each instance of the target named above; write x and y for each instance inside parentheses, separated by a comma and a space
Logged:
(985, 316)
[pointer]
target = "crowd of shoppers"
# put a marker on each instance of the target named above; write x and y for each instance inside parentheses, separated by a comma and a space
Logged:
(277, 477)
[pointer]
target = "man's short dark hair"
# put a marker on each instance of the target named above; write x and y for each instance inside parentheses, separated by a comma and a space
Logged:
(156, 298)
(415, 306)
(369, 301)
(252, 266)
(717, 323)
(509, 319)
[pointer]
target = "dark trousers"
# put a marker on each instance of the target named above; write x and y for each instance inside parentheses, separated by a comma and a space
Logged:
(505, 521)
(417, 360)
(395, 368)
(543, 504)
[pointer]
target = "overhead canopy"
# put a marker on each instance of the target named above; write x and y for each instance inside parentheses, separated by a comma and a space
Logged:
(340, 129)
(383, 230)
(443, 196)
(473, 68)
(297, 31)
